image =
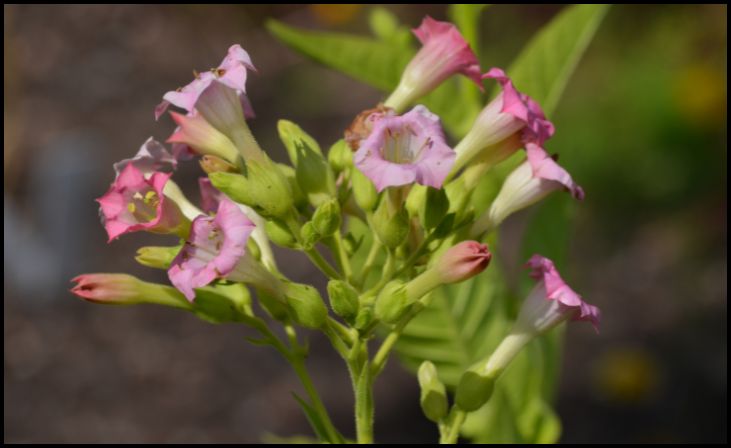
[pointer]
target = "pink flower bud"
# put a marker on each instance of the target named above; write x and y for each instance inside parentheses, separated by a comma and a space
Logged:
(463, 261)
(112, 289)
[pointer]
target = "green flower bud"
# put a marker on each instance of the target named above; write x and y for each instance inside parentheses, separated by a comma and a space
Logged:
(300, 201)
(222, 303)
(310, 236)
(308, 308)
(262, 187)
(473, 391)
(326, 219)
(158, 257)
(340, 156)
(433, 397)
(312, 171)
(274, 305)
(343, 299)
(392, 302)
(279, 233)
(434, 207)
(391, 226)
(364, 318)
(364, 191)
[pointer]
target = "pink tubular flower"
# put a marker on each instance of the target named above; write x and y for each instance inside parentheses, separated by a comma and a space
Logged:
(552, 301)
(216, 248)
(463, 261)
(444, 53)
(530, 182)
(134, 203)
(112, 289)
(151, 157)
(195, 132)
(506, 124)
(231, 72)
(405, 149)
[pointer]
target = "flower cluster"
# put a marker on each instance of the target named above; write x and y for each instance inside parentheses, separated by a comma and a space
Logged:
(394, 170)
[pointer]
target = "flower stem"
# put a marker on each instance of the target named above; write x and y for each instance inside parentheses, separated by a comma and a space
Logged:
(375, 249)
(342, 257)
(451, 432)
(322, 264)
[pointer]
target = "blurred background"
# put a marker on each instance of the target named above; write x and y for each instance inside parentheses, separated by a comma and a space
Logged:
(642, 126)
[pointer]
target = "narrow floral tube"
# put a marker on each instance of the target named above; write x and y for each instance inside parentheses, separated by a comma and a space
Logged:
(530, 182)
(510, 114)
(551, 302)
(444, 53)
(401, 150)
(216, 248)
(135, 203)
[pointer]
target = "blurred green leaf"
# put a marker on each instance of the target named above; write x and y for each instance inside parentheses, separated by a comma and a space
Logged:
(547, 62)
(467, 19)
(374, 62)
(314, 419)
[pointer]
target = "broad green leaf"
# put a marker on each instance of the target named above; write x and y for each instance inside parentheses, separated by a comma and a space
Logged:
(467, 19)
(374, 62)
(386, 27)
(547, 62)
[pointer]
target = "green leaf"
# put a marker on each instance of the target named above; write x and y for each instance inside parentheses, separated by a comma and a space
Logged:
(313, 419)
(374, 62)
(547, 62)
(467, 18)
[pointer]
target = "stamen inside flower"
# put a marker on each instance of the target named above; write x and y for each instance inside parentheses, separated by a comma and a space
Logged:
(401, 145)
(143, 208)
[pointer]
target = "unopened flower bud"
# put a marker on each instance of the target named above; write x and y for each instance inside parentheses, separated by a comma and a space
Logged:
(343, 299)
(463, 261)
(392, 302)
(326, 219)
(429, 204)
(262, 187)
(340, 156)
(364, 191)
(433, 397)
(109, 289)
(310, 235)
(391, 225)
(158, 257)
(279, 233)
(473, 391)
(308, 308)
(312, 171)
